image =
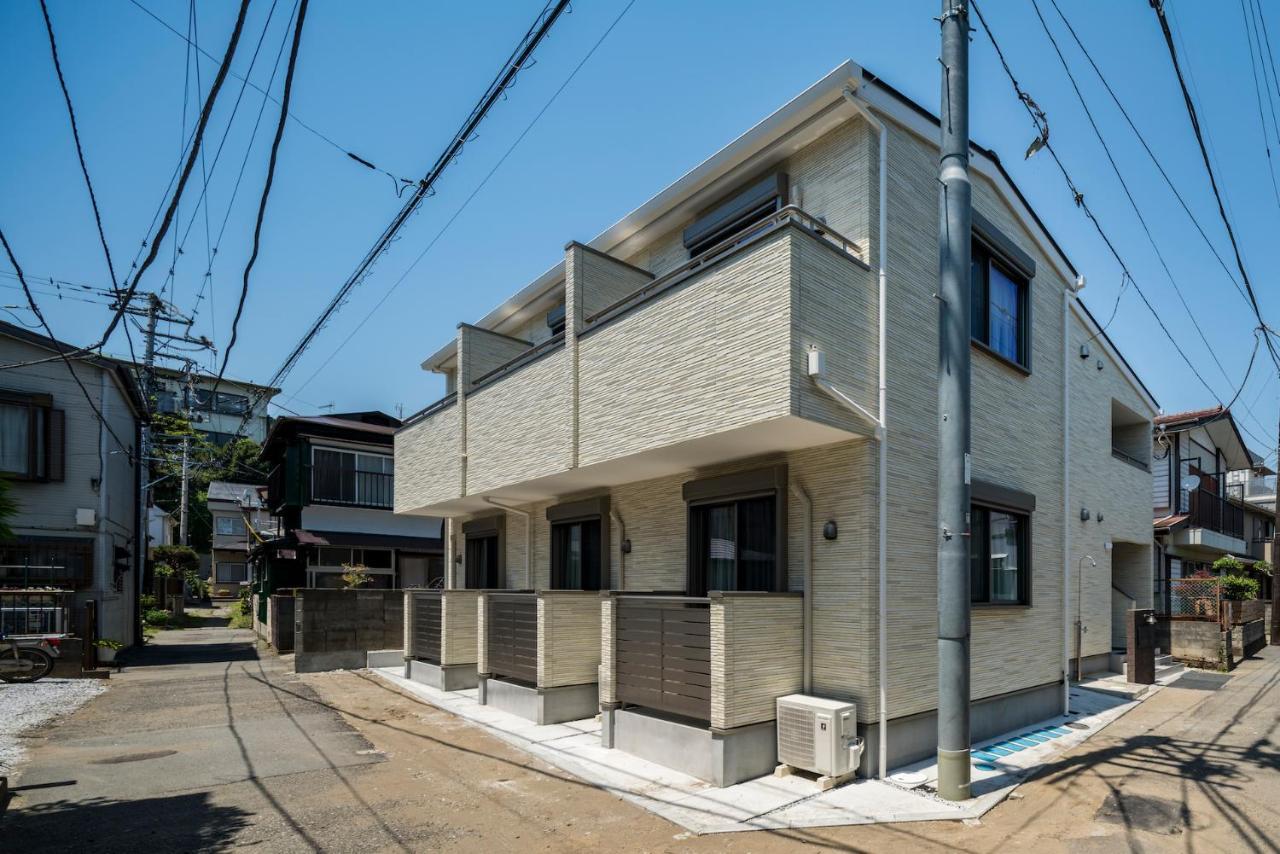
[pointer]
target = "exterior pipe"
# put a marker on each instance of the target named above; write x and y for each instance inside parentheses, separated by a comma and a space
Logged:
(622, 555)
(1067, 296)
(806, 621)
(528, 538)
(882, 262)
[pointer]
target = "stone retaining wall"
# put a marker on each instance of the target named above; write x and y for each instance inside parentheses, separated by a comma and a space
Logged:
(336, 629)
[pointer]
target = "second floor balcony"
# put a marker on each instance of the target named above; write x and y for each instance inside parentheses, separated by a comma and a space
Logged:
(341, 486)
(654, 375)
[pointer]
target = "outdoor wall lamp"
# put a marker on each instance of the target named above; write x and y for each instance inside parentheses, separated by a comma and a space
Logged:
(1099, 515)
(457, 559)
(830, 531)
(1084, 514)
(626, 546)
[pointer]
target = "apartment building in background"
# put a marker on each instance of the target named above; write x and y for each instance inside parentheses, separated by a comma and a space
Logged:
(691, 468)
(219, 414)
(74, 476)
(238, 520)
(330, 487)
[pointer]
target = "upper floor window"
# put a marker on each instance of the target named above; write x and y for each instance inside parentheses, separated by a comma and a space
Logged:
(737, 214)
(232, 526)
(999, 319)
(31, 437)
(204, 400)
(999, 562)
(350, 477)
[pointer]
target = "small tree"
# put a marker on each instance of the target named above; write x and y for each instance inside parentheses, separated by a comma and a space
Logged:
(1228, 565)
(1239, 588)
(1261, 567)
(356, 576)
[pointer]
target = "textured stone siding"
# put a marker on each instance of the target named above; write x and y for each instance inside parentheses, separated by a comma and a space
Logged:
(568, 638)
(458, 614)
(756, 657)
(428, 461)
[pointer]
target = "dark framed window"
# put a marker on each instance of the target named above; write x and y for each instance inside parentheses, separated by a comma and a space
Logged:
(483, 547)
(737, 532)
(737, 214)
(1000, 314)
(999, 557)
(32, 437)
(580, 544)
(575, 555)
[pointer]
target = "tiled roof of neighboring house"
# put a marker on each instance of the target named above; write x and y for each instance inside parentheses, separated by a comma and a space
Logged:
(221, 490)
(1170, 521)
(1192, 416)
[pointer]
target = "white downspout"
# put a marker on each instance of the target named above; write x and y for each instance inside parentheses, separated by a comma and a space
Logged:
(622, 555)
(806, 621)
(528, 538)
(1067, 295)
(882, 262)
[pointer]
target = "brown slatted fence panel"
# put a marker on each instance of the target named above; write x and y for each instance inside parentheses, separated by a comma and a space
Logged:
(511, 623)
(664, 655)
(426, 627)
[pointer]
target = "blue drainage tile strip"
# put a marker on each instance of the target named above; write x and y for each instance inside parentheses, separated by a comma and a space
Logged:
(993, 753)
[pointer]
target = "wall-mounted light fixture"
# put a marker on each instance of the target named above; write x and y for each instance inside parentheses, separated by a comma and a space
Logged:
(830, 531)
(626, 546)
(1084, 514)
(1099, 515)
(1084, 351)
(457, 559)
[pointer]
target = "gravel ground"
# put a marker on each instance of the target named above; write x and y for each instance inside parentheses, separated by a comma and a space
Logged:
(25, 707)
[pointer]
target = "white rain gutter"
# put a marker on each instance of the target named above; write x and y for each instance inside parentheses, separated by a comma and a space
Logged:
(622, 555)
(807, 620)
(882, 262)
(1067, 295)
(528, 537)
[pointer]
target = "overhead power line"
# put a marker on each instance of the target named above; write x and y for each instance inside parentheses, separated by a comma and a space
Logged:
(266, 188)
(266, 94)
(506, 76)
(1038, 119)
(1158, 5)
(465, 202)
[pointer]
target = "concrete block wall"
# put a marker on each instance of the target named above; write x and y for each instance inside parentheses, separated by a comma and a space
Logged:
(337, 628)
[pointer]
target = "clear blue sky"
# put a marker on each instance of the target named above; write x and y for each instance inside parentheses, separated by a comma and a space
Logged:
(671, 84)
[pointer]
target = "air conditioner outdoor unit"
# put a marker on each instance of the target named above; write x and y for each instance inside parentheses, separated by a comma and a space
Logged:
(818, 735)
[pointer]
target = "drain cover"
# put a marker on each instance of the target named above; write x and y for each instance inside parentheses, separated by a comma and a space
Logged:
(985, 766)
(910, 779)
(133, 757)
(1077, 725)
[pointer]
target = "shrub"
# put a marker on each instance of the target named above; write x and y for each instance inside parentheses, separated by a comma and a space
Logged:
(356, 575)
(156, 617)
(147, 602)
(1239, 587)
(1261, 567)
(1228, 565)
(244, 607)
(180, 559)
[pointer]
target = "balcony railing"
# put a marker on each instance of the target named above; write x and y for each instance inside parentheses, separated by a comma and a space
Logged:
(1209, 510)
(349, 488)
(511, 635)
(664, 654)
(1130, 459)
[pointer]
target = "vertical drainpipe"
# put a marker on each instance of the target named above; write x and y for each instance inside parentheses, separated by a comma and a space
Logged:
(1067, 294)
(882, 263)
(806, 621)
(622, 538)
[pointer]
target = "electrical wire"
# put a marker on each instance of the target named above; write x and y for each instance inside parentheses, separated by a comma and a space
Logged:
(266, 188)
(467, 201)
(1158, 6)
(363, 161)
(1037, 118)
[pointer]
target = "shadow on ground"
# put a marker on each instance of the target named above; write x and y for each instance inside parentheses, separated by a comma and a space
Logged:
(177, 823)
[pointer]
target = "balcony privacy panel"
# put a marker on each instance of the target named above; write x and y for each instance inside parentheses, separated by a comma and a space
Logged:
(663, 655)
(511, 629)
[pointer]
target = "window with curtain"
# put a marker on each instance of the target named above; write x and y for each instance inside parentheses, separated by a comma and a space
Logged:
(228, 526)
(999, 565)
(15, 438)
(998, 316)
(482, 563)
(733, 545)
(575, 555)
(348, 477)
(32, 437)
(231, 572)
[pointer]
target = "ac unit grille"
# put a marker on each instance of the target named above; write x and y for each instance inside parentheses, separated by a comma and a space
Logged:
(795, 736)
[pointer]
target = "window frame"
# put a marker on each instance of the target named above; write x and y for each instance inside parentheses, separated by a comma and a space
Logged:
(732, 489)
(569, 514)
(244, 528)
(984, 258)
(483, 529)
(979, 510)
(372, 489)
(46, 437)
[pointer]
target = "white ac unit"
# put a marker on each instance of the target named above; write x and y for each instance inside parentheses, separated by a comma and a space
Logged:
(818, 735)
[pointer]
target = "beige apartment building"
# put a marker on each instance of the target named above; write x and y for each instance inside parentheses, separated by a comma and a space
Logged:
(699, 456)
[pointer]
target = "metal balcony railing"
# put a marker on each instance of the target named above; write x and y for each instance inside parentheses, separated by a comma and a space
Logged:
(349, 488)
(1209, 510)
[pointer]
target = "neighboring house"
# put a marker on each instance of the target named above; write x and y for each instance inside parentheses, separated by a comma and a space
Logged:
(75, 480)
(330, 488)
(219, 415)
(1199, 501)
(678, 408)
(238, 521)
(161, 527)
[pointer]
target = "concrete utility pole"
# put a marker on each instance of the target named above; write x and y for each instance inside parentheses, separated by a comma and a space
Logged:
(1275, 547)
(953, 408)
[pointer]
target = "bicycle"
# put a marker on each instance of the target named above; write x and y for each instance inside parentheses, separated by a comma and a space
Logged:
(26, 659)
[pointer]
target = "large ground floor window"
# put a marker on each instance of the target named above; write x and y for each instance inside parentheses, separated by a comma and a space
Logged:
(46, 562)
(326, 566)
(1000, 566)
(733, 545)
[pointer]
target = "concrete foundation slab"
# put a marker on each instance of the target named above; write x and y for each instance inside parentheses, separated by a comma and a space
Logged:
(541, 705)
(316, 662)
(384, 658)
(453, 677)
(719, 758)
